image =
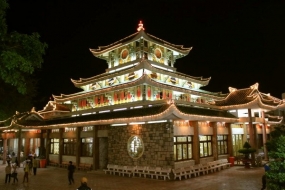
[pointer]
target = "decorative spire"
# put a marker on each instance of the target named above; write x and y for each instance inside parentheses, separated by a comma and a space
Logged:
(140, 26)
(231, 89)
(255, 86)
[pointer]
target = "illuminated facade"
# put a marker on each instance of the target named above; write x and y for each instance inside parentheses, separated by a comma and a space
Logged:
(141, 111)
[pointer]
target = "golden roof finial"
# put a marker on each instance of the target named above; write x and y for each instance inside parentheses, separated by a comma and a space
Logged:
(140, 26)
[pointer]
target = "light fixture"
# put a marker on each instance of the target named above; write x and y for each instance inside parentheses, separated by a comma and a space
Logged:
(104, 111)
(119, 124)
(159, 121)
(120, 109)
(136, 123)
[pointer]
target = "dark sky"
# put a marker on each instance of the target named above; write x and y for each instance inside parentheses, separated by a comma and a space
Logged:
(237, 43)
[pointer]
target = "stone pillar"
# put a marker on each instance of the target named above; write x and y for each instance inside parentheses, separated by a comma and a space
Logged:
(214, 140)
(78, 146)
(252, 136)
(48, 145)
(4, 148)
(196, 144)
(264, 136)
(95, 148)
(61, 130)
(244, 133)
(42, 149)
(27, 147)
(19, 136)
(230, 139)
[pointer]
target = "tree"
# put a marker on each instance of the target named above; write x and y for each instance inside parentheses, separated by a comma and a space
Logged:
(20, 56)
(246, 150)
(276, 151)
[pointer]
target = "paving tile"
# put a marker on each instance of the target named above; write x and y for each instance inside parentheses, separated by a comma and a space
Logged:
(54, 178)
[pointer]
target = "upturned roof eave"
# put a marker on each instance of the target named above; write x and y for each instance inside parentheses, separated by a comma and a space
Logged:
(254, 104)
(138, 35)
(145, 79)
(170, 110)
(79, 83)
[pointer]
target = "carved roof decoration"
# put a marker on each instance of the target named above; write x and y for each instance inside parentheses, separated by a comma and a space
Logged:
(138, 35)
(144, 64)
(274, 119)
(248, 98)
(144, 79)
(53, 106)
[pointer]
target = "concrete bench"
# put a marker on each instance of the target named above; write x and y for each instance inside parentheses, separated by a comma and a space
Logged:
(151, 171)
(53, 163)
(179, 173)
(118, 169)
(84, 166)
(139, 170)
(110, 169)
(165, 173)
(224, 163)
(65, 164)
(128, 170)
(214, 166)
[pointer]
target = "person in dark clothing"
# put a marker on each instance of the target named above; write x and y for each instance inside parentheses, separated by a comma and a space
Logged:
(84, 184)
(35, 165)
(71, 169)
(16, 162)
(8, 170)
(266, 168)
(14, 173)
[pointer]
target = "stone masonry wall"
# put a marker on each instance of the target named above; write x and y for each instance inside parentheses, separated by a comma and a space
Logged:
(157, 139)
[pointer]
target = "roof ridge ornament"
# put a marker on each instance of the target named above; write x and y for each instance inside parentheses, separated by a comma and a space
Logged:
(231, 89)
(140, 26)
(254, 87)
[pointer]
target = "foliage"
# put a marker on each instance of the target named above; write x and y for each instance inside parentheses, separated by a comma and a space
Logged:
(246, 150)
(276, 147)
(20, 56)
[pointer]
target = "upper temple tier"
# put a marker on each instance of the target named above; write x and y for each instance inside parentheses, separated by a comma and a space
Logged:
(140, 45)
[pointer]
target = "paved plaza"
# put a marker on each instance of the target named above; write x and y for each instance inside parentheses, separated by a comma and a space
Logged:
(54, 178)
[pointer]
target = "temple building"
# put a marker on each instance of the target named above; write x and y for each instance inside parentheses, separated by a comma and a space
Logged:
(141, 111)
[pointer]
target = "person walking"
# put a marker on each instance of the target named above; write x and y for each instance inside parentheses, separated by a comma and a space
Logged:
(14, 172)
(26, 171)
(35, 165)
(30, 165)
(266, 169)
(16, 162)
(83, 185)
(8, 159)
(71, 169)
(8, 170)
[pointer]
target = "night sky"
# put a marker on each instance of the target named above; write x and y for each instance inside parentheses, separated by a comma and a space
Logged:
(236, 43)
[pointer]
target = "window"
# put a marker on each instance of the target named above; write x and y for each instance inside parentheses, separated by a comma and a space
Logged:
(135, 147)
(157, 53)
(222, 141)
(55, 131)
(182, 148)
(137, 44)
(88, 128)
(237, 143)
(145, 43)
(87, 147)
(124, 54)
(69, 146)
(54, 146)
(205, 145)
(68, 129)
